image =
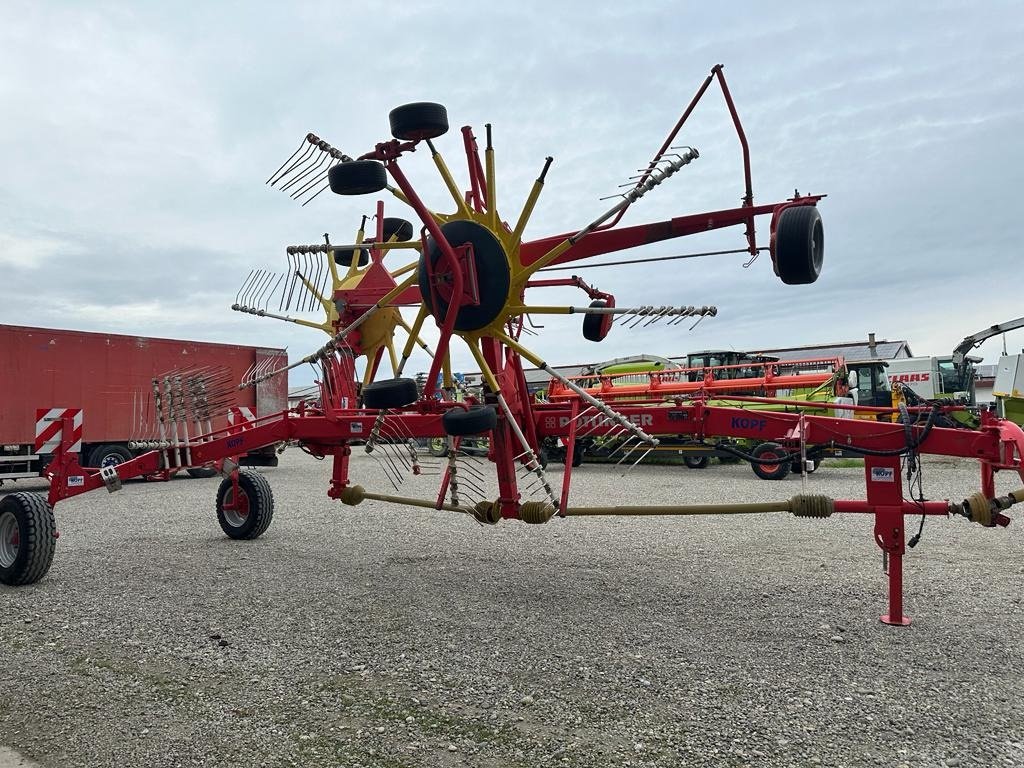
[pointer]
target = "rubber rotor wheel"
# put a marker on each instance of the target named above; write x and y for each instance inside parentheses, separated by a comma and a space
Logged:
(343, 256)
(108, 455)
(255, 508)
(696, 462)
(357, 177)
(418, 121)
(201, 473)
(400, 229)
(492, 275)
(770, 471)
(28, 538)
(390, 393)
(799, 245)
(596, 327)
(461, 422)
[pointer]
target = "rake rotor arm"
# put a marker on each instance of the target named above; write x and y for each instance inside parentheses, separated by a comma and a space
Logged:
(609, 240)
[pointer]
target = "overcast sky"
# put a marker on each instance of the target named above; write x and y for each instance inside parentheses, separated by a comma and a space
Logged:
(137, 139)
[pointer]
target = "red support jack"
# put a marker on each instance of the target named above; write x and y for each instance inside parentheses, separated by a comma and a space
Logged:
(885, 497)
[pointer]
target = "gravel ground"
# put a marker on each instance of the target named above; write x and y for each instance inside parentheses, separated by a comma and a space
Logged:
(386, 636)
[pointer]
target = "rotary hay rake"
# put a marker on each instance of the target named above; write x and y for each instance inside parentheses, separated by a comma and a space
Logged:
(470, 274)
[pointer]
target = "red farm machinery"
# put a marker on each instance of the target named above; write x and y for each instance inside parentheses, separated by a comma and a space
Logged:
(470, 272)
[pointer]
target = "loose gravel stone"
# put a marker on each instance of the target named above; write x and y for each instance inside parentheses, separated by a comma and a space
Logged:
(381, 635)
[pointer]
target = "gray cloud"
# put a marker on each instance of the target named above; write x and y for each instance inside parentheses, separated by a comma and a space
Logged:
(137, 140)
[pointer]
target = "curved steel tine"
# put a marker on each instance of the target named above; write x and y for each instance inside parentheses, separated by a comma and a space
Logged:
(238, 299)
(314, 163)
(282, 171)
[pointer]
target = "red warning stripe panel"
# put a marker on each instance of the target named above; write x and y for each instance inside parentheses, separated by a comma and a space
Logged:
(49, 429)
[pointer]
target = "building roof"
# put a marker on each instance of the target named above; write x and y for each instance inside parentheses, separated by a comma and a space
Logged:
(849, 350)
(302, 393)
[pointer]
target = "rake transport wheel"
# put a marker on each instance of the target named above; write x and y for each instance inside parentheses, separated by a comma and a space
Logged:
(770, 471)
(438, 447)
(109, 456)
(390, 393)
(696, 462)
(248, 516)
(357, 177)
(478, 419)
(799, 247)
(417, 121)
(596, 327)
(28, 538)
(201, 473)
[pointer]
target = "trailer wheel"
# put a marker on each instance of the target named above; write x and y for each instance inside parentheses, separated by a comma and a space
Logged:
(28, 538)
(417, 121)
(390, 393)
(696, 462)
(201, 473)
(109, 455)
(438, 446)
(357, 177)
(400, 229)
(475, 421)
(799, 247)
(596, 327)
(250, 515)
(770, 471)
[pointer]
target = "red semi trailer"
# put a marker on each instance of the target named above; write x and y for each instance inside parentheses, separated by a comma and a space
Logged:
(107, 378)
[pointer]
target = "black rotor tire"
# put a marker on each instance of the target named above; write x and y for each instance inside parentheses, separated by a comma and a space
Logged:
(437, 446)
(596, 327)
(770, 471)
(400, 229)
(259, 511)
(696, 462)
(460, 422)
(111, 454)
(799, 245)
(419, 120)
(201, 473)
(357, 177)
(28, 559)
(492, 274)
(343, 256)
(390, 393)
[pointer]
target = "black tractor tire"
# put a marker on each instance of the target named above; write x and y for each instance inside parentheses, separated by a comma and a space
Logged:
(343, 256)
(770, 471)
(696, 462)
(254, 519)
(418, 121)
(799, 245)
(390, 393)
(461, 422)
(596, 327)
(28, 538)
(357, 177)
(201, 473)
(438, 447)
(400, 229)
(108, 455)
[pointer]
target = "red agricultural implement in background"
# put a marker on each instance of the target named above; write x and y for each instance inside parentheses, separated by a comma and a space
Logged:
(470, 275)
